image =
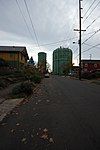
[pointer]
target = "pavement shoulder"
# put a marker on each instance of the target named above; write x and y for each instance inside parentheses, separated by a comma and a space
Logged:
(7, 106)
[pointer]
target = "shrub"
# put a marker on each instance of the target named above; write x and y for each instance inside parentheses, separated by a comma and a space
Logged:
(36, 78)
(2, 84)
(25, 88)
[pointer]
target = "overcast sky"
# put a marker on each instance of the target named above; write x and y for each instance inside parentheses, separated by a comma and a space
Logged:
(51, 26)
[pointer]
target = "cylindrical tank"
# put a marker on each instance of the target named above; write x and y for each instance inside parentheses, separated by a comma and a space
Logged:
(61, 58)
(42, 61)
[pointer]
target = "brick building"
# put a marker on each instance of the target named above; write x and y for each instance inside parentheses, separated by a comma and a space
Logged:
(90, 65)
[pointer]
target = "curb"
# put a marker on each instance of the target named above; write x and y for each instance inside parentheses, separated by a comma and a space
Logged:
(8, 105)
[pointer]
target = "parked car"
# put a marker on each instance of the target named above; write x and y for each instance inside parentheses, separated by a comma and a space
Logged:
(72, 74)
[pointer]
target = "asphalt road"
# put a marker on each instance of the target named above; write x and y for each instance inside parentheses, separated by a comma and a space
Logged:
(62, 114)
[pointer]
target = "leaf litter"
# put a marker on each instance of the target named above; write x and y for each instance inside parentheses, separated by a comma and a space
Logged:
(23, 140)
(44, 134)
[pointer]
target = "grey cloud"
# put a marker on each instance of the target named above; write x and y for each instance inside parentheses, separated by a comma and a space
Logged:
(53, 20)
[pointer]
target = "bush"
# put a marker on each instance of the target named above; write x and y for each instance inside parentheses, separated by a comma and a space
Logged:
(23, 89)
(2, 84)
(36, 79)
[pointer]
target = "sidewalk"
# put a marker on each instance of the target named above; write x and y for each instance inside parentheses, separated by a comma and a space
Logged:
(7, 106)
(6, 91)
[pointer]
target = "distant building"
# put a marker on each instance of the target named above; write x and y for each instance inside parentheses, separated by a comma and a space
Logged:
(90, 65)
(14, 56)
(42, 61)
(62, 59)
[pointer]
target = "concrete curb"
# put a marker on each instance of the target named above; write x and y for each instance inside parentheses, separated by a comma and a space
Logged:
(7, 106)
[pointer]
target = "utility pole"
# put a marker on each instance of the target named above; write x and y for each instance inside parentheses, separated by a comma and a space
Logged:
(80, 39)
(79, 42)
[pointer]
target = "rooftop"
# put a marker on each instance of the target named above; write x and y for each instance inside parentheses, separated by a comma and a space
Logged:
(21, 49)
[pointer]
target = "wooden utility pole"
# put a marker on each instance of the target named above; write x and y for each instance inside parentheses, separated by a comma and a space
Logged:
(80, 39)
(80, 30)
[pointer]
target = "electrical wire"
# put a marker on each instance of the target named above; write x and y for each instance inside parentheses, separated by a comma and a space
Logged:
(84, 41)
(91, 45)
(32, 23)
(76, 49)
(92, 22)
(70, 30)
(85, 4)
(58, 41)
(91, 12)
(24, 18)
(91, 48)
(91, 36)
(88, 49)
(76, 56)
(89, 8)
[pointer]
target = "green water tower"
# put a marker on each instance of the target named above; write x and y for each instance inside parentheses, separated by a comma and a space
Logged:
(61, 58)
(42, 61)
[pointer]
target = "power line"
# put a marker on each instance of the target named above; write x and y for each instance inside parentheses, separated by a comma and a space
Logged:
(23, 17)
(92, 22)
(83, 43)
(31, 23)
(69, 33)
(87, 50)
(91, 12)
(85, 4)
(91, 45)
(76, 56)
(70, 30)
(91, 36)
(75, 50)
(90, 48)
(89, 8)
(58, 41)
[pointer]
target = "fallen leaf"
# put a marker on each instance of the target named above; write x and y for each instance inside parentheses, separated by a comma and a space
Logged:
(12, 130)
(44, 136)
(51, 140)
(17, 124)
(32, 136)
(45, 130)
(23, 140)
(37, 133)
(39, 100)
(16, 113)
(35, 114)
(48, 100)
(4, 124)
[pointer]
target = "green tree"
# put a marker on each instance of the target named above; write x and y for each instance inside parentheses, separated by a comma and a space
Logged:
(31, 61)
(67, 68)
